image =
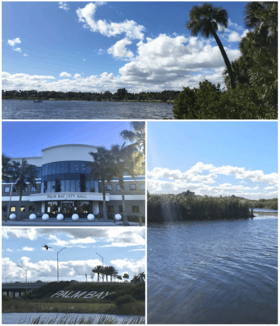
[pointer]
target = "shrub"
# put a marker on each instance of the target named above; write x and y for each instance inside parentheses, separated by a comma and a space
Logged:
(124, 300)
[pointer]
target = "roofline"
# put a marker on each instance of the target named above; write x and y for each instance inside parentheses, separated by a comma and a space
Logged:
(69, 145)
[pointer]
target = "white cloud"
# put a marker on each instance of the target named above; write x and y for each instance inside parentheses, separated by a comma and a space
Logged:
(77, 76)
(206, 183)
(84, 59)
(17, 49)
(63, 5)
(245, 33)
(234, 37)
(119, 49)
(129, 27)
(65, 74)
(28, 249)
(136, 267)
(25, 55)
(14, 41)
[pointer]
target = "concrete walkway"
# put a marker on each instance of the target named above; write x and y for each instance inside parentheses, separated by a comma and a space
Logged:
(82, 222)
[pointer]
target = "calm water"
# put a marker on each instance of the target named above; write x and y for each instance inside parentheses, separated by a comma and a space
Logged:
(16, 318)
(213, 272)
(24, 109)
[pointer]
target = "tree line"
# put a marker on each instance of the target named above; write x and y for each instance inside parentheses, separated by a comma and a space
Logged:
(111, 272)
(120, 160)
(121, 95)
(171, 208)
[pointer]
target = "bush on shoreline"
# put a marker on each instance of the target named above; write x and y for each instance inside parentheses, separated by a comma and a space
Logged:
(169, 208)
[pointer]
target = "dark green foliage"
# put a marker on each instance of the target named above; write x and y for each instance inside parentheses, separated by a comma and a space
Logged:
(124, 300)
(210, 102)
(47, 290)
(169, 208)
(264, 203)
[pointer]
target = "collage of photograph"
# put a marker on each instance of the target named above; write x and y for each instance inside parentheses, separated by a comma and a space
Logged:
(139, 162)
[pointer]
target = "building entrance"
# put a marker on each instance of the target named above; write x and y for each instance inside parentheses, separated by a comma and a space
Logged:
(67, 208)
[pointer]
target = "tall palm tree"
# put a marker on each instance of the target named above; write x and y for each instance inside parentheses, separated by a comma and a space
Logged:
(92, 274)
(137, 137)
(124, 162)
(98, 270)
(6, 168)
(101, 170)
(22, 174)
(205, 19)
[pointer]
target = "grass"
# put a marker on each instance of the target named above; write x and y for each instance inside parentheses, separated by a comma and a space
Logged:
(66, 319)
(10, 306)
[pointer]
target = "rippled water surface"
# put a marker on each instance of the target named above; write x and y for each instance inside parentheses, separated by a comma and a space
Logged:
(24, 109)
(213, 272)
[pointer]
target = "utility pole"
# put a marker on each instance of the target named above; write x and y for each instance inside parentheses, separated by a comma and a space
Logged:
(101, 257)
(58, 264)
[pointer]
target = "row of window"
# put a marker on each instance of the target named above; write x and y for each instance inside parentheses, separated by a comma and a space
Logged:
(31, 209)
(132, 187)
(69, 186)
(111, 209)
(7, 189)
(65, 167)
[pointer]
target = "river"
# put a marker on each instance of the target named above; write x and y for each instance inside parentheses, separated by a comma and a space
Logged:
(213, 272)
(84, 110)
(26, 318)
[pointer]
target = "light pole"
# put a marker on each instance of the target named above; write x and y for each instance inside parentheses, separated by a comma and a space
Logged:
(101, 257)
(57, 263)
(7, 277)
(26, 278)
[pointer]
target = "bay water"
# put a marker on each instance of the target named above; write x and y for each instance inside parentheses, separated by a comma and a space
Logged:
(85, 110)
(213, 272)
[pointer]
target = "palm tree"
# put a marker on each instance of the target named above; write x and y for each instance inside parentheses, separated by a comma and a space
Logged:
(101, 170)
(125, 275)
(98, 270)
(142, 276)
(6, 168)
(124, 162)
(21, 174)
(106, 271)
(92, 274)
(112, 271)
(137, 136)
(205, 19)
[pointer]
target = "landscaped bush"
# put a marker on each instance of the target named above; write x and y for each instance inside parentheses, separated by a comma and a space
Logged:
(124, 300)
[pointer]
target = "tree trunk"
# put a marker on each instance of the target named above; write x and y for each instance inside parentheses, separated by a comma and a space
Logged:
(20, 197)
(105, 217)
(225, 57)
(125, 221)
(9, 207)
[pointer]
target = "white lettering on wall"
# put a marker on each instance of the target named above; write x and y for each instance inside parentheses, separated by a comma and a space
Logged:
(79, 294)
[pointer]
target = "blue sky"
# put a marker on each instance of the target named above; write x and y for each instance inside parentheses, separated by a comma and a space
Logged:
(123, 248)
(213, 158)
(27, 139)
(99, 46)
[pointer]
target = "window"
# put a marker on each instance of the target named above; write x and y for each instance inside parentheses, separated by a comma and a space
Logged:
(142, 186)
(132, 187)
(33, 188)
(120, 209)
(13, 209)
(22, 209)
(4, 209)
(108, 187)
(7, 189)
(31, 209)
(110, 209)
(119, 187)
(135, 209)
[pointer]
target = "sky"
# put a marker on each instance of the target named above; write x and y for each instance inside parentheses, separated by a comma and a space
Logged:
(99, 46)
(27, 139)
(123, 248)
(213, 158)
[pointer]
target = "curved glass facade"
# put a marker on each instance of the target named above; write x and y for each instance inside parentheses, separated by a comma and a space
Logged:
(67, 176)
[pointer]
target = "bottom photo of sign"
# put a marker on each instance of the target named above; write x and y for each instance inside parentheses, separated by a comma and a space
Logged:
(73, 275)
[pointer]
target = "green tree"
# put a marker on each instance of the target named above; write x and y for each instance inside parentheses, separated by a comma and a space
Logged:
(22, 174)
(98, 270)
(124, 161)
(119, 277)
(126, 276)
(6, 168)
(101, 170)
(205, 19)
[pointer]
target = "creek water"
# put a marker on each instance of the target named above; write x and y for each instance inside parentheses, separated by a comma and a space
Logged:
(26, 318)
(213, 272)
(84, 110)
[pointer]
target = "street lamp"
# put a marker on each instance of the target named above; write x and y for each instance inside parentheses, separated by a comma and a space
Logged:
(101, 257)
(26, 278)
(7, 277)
(57, 263)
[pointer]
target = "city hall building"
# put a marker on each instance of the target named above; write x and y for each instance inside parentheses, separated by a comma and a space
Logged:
(63, 186)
